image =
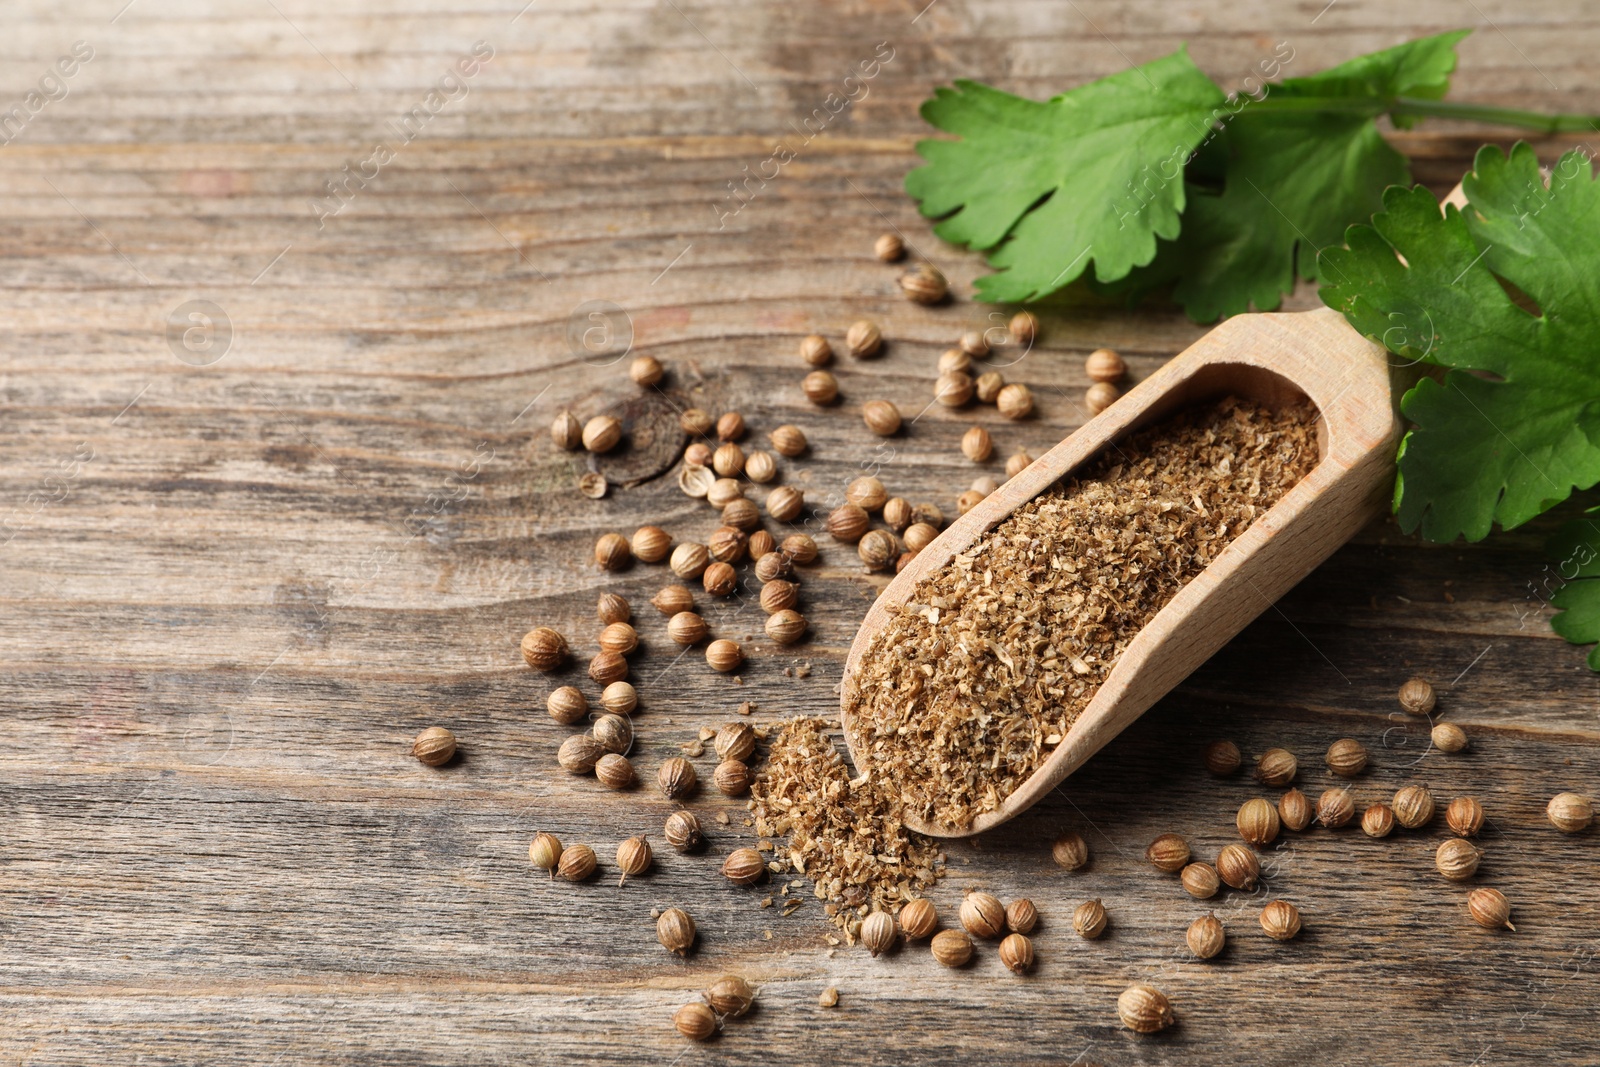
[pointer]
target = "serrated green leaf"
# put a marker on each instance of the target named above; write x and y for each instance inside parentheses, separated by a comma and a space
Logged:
(1092, 176)
(1514, 427)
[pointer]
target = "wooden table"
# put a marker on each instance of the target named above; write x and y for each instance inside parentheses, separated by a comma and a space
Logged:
(244, 564)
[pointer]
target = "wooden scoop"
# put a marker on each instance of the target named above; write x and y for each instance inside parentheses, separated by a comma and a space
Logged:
(1272, 359)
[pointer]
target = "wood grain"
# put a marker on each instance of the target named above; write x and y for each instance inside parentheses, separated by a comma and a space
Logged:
(233, 592)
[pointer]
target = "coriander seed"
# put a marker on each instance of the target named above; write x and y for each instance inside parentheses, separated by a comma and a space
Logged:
(731, 995)
(633, 858)
(779, 595)
(567, 705)
(1022, 916)
(866, 493)
(601, 434)
(1417, 696)
(696, 1022)
(612, 608)
(723, 655)
(788, 441)
(881, 417)
(741, 514)
(1168, 852)
(848, 522)
(1281, 920)
(1206, 937)
(619, 698)
(800, 548)
(699, 454)
(1142, 1009)
(544, 649)
(955, 359)
(987, 387)
(785, 503)
(730, 426)
(1335, 808)
(614, 771)
(612, 553)
(434, 746)
(815, 350)
(983, 915)
(925, 285)
(1238, 867)
(878, 933)
(974, 344)
(1464, 816)
(577, 863)
(720, 579)
(952, 948)
(545, 851)
(1571, 813)
(761, 543)
(689, 560)
(1258, 822)
(744, 866)
(646, 371)
(736, 740)
(888, 247)
(593, 485)
(1200, 881)
(953, 388)
(695, 421)
(1276, 767)
(676, 778)
(613, 732)
(1377, 821)
(1018, 463)
(760, 467)
(1015, 401)
(619, 637)
(1024, 327)
(608, 667)
(687, 628)
(732, 778)
(1448, 737)
(918, 918)
(774, 566)
(579, 754)
(919, 535)
(1070, 851)
(1100, 396)
(787, 626)
(967, 501)
(1413, 806)
(1347, 757)
(1294, 810)
(927, 513)
(724, 491)
(675, 930)
(1457, 859)
(820, 387)
(976, 444)
(727, 544)
(1104, 365)
(897, 513)
(1016, 953)
(683, 832)
(694, 479)
(863, 339)
(1490, 908)
(1222, 758)
(567, 431)
(728, 460)
(1089, 919)
(877, 549)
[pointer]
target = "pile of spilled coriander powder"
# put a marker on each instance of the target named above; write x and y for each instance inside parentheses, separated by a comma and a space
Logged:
(844, 834)
(978, 676)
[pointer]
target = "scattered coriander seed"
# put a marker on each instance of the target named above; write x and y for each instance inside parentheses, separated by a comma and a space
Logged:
(1347, 757)
(608, 667)
(1413, 806)
(723, 492)
(866, 493)
(1024, 327)
(828, 998)
(1464, 816)
(675, 930)
(903, 561)
(577, 863)
(1206, 937)
(732, 778)
(984, 484)
(760, 467)
(1417, 696)
(730, 426)
(728, 460)
(1018, 463)
(614, 733)
(881, 417)
(1448, 737)
(953, 388)
(888, 247)
(761, 543)
(695, 421)
(646, 370)
(919, 535)
(1089, 919)
(878, 933)
(1222, 758)
(544, 648)
(1456, 859)
(1377, 821)
(689, 560)
(774, 566)
(724, 656)
(744, 866)
(1015, 401)
(611, 552)
(741, 514)
(815, 350)
(848, 522)
(976, 444)
(619, 698)
(778, 595)
(696, 1022)
(788, 441)
(924, 285)
(614, 771)
(619, 637)
(1100, 396)
(730, 995)
(567, 705)
(1238, 867)
(1276, 767)
(601, 434)
(735, 740)
(545, 851)
(1200, 881)
(927, 513)
(800, 548)
(579, 753)
(1070, 851)
(1281, 920)
(566, 431)
(986, 387)
(918, 918)
(720, 579)
(1258, 822)
(897, 513)
(820, 387)
(634, 858)
(968, 500)
(863, 339)
(1490, 908)
(877, 549)
(696, 480)
(727, 544)
(955, 359)
(1335, 808)
(593, 485)
(683, 832)
(974, 344)
(1142, 1009)
(1016, 953)
(434, 746)
(1295, 810)
(676, 778)
(952, 948)
(699, 454)
(687, 628)
(1571, 813)
(787, 626)
(1104, 365)
(612, 608)
(1022, 916)
(983, 915)
(1168, 852)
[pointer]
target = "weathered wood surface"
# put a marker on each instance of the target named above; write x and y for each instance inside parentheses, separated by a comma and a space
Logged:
(233, 592)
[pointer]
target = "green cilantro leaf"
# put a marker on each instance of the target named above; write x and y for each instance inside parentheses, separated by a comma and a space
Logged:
(1088, 176)
(1514, 426)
